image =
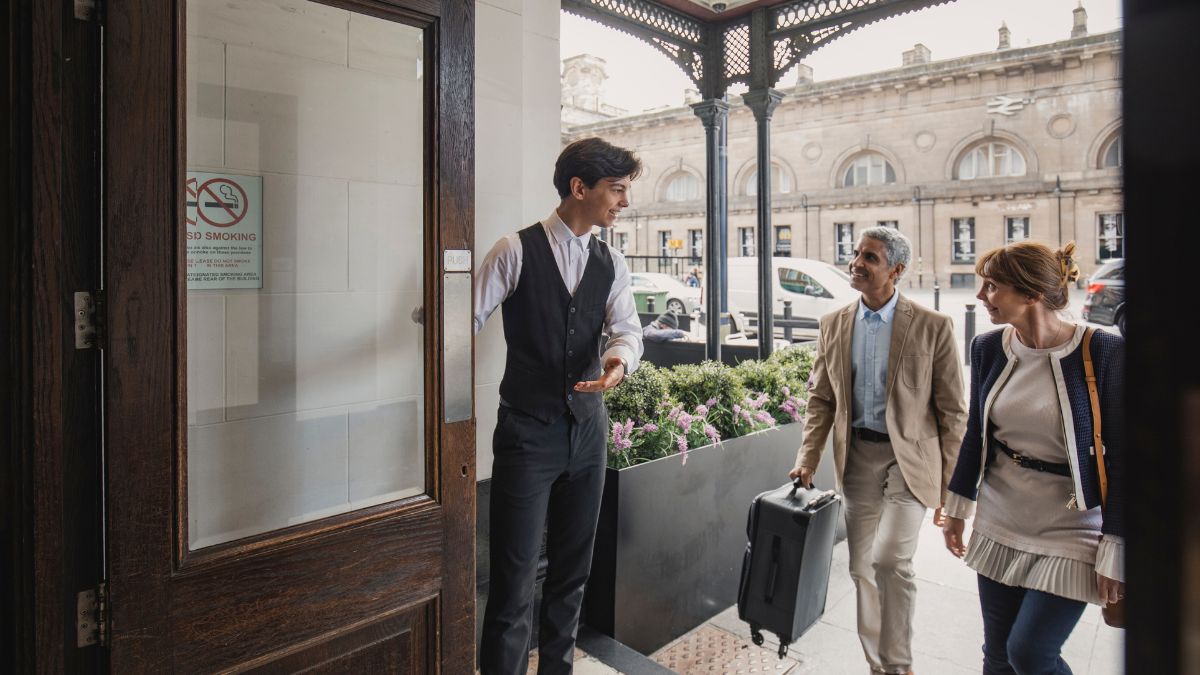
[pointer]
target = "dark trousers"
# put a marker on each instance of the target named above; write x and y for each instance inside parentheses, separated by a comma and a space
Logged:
(1024, 630)
(551, 477)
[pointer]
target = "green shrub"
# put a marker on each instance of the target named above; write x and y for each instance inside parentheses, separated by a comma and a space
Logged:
(713, 384)
(638, 397)
(658, 412)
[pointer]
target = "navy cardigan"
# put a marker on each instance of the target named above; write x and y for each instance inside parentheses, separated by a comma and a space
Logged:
(988, 361)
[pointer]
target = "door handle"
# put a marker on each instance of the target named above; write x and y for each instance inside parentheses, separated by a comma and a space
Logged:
(418, 315)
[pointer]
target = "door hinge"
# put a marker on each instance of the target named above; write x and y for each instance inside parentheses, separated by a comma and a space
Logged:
(91, 616)
(89, 319)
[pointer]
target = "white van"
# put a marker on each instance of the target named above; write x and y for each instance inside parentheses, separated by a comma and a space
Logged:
(814, 287)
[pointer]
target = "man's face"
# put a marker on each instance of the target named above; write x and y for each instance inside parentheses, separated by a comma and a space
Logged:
(869, 269)
(603, 202)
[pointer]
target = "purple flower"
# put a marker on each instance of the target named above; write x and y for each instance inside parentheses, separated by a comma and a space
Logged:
(701, 410)
(684, 420)
(764, 417)
(650, 427)
(786, 391)
(737, 409)
(710, 402)
(711, 432)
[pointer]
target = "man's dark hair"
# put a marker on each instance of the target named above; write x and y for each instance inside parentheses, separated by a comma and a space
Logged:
(591, 159)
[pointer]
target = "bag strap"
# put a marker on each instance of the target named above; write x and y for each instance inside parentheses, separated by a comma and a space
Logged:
(1089, 372)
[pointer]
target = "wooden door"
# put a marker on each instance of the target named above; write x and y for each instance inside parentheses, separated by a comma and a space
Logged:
(288, 417)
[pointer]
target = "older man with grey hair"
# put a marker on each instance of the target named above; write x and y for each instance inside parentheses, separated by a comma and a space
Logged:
(888, 384)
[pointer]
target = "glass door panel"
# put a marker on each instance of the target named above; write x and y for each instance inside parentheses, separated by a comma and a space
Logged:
(305, 229)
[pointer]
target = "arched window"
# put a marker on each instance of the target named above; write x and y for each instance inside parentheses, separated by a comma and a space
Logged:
(781, 182)
(1114, 155)
(682, 187)
(994, 159)
(868, 169)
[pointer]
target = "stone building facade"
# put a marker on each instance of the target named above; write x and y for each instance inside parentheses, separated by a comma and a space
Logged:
(962, 155)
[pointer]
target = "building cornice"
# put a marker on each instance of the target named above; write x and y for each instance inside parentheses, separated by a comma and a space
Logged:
(1038, 57)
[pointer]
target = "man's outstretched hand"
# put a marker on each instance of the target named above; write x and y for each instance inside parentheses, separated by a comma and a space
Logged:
(614, 372)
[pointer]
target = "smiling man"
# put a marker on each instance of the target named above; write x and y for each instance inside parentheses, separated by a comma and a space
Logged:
(887, 382)
(560, 288)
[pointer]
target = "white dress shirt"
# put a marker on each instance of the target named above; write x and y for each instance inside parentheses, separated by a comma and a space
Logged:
(498, 275)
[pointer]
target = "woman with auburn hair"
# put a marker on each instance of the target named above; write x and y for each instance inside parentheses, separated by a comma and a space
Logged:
(1042, 543)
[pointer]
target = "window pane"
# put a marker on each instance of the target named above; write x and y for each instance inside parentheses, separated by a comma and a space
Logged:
(305, 375)
(1110, 236)
(844, 237)
(963, 245)
(1018, 163)
(1112, 156)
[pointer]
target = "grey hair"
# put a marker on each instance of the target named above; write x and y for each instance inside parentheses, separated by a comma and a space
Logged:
(899, 248)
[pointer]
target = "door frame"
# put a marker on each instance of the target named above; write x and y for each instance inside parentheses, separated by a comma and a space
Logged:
(51, 491)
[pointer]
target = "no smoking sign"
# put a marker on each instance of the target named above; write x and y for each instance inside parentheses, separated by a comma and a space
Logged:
(223, 227)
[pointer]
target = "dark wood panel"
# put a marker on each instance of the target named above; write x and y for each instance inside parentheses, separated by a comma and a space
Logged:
(64, 210)
(455, 209)
(342, 579)
(142, 141)
(16, 512)
(398, 644)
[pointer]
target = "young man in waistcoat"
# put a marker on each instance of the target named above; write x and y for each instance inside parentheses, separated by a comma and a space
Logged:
(559, 288)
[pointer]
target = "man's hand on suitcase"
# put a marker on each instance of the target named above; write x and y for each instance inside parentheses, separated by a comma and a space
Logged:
(805, 475)
(952, 530)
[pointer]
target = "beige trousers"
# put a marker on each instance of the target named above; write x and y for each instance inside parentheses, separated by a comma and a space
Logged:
(883, 519)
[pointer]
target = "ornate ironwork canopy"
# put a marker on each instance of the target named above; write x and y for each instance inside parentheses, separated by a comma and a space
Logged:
(754, 48)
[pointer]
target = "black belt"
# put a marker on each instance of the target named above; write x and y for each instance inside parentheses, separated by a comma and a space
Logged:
(1031, 463)
(870, 435)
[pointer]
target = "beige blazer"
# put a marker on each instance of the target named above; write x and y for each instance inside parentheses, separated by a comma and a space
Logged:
(925, 408)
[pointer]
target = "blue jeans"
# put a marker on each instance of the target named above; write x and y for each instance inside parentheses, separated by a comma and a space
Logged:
(1024, 630)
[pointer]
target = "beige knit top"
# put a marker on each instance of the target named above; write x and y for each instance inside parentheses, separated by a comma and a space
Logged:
(1024, 533)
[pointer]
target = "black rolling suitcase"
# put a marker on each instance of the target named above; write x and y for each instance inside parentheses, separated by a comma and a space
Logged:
(785, 571)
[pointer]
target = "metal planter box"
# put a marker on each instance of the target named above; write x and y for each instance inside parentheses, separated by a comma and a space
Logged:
(670, 540)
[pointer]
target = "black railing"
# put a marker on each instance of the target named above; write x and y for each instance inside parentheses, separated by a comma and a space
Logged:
(676, 266)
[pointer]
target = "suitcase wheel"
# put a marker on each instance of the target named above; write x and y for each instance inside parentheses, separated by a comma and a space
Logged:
(756, 636)
(782, 650)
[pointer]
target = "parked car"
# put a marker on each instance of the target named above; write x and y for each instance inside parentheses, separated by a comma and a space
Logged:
(1105, 302)
(681, 298)
(815, 288)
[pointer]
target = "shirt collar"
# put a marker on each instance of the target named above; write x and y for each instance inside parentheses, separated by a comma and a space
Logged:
(885, 313)
(560, 234)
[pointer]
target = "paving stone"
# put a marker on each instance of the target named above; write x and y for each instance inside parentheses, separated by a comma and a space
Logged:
(709, 649)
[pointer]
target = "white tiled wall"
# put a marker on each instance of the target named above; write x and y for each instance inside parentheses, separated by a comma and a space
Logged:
(306, 398)
(516, 142)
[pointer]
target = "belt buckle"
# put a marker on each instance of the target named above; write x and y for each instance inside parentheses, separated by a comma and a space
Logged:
(1018, 459)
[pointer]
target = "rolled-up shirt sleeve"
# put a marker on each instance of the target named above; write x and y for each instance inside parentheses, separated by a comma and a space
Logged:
(621, 319)
(496, 277)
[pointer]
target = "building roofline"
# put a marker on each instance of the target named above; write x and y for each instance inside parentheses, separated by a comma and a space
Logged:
(994, 60)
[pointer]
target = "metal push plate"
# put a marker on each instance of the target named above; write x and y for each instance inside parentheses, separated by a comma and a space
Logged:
(457, 327)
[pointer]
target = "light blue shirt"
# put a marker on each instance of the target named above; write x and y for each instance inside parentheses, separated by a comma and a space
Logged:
(871, 343)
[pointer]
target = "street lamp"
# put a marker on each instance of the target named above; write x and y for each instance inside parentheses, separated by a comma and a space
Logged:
(1058, 193)
(920, 235)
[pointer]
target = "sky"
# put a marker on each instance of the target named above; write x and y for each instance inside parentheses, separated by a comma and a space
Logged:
(641, 77)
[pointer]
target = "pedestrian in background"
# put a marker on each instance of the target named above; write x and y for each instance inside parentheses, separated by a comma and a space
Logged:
(1027, 471)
